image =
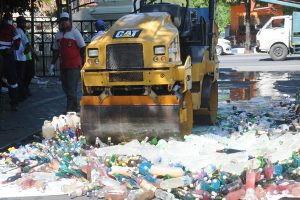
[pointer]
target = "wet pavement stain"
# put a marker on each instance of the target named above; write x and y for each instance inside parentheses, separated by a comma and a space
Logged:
(236, 86)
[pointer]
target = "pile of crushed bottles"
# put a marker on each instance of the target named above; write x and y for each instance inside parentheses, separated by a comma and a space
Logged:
(275, 117)
(65, 154)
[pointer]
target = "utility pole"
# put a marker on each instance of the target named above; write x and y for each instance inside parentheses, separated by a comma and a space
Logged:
(247, 25)
(32, 21)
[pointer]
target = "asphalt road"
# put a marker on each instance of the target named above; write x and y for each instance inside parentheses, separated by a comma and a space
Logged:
(243, 77)
(259, 62)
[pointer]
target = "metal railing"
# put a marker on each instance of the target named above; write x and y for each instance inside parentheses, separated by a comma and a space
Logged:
(44, 33)
(77, 4)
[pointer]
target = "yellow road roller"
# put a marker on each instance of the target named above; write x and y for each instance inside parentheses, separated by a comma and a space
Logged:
(153, 73)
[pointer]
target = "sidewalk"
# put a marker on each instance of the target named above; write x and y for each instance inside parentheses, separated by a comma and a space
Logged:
(242, 50)
(48, 100)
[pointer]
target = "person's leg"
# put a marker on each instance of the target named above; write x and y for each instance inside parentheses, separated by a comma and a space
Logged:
(1, 70)
(71, 89)
(29, 74)
(63, 79)
(64, 74)
(20, 66)
(10, 73)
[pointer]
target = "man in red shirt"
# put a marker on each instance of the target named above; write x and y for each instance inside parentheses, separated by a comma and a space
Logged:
(9, 41)
(69, 44)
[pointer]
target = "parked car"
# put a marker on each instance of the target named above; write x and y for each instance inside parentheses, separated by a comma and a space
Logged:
(223, 47)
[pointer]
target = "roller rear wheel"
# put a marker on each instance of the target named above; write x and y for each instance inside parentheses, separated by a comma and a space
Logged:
(209, 102)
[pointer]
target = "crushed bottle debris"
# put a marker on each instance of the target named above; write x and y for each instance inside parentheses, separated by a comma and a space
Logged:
(248, 155)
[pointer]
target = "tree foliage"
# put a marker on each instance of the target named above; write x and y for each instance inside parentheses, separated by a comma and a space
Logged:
(222, 11)
(223, 15)
(19, 6)
(45, 7)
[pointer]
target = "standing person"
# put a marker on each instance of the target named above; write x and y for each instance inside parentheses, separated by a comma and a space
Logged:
(21, 57)
(9, 41)
(30, 54)
(70, 45)
(100, 28)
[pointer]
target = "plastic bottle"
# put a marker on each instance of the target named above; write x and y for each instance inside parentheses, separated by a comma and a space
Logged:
(260, 192)
(215, 184)
(62, 122)
(78, 131)
(69, 188)
(77, 193)
(12, 178)
(107, 181)
(278, 170)
(69, 121)
(296, 191)
(160, 170)
(125, 171)
(99, 143)
(118, 192)
(271, 189)
(140, 194)
(54, 122)
(250, 194)
(81, 191)
(235, 195)
(48, 131)
(175, 182)
(250, 178)
(161, 194)
(143, 183)
(292, 185)
(269, 170)
(92, 173)
(233, 186)
(229, 151)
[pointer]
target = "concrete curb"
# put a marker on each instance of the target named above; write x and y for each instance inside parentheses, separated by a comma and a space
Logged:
(242, 50)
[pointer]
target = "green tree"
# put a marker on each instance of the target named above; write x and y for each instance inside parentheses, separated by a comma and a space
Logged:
(222, 11)
(19, 6)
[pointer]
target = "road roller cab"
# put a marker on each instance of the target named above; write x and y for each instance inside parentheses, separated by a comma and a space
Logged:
(150, 74)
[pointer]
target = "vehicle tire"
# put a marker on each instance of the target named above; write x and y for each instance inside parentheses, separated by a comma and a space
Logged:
(278, 52)
(209, 101)
(219, 50)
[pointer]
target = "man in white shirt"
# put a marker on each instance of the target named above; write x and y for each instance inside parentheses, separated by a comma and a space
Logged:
(100, 28)
(20, 55)
(70, 45)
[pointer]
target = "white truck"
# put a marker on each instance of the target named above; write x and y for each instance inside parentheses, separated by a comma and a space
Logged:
(280, 36)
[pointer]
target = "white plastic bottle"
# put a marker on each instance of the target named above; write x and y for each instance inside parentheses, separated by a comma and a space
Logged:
(69, 120)
(161, 194)
(160, 170)
(62, 122)
(55, 121)
(48, 131)
(175, 182)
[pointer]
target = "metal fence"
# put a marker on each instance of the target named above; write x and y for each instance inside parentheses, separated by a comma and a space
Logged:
(44, 33)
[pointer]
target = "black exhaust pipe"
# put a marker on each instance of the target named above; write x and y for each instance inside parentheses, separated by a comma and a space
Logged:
(211, 10)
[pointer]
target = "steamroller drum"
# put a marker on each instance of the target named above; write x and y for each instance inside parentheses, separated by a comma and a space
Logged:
(123, 123)
(209, 102)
